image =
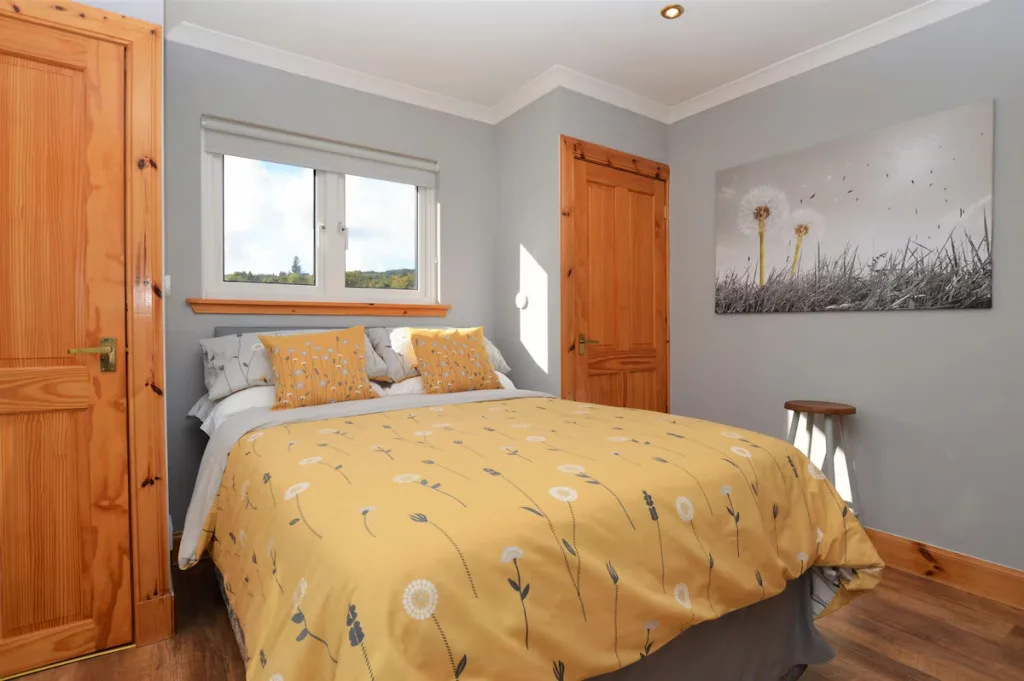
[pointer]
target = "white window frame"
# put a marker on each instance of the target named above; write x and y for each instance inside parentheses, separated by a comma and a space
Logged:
(331, 238)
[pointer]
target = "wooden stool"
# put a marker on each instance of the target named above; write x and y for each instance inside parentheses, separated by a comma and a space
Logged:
(833, 413)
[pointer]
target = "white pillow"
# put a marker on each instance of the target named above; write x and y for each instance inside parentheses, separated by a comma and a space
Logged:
(410, 386)
(256, 397)
(414, 385)
(201, 409)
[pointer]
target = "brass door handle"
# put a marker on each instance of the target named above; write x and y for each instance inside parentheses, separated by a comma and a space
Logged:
(584, 342)
(106, 350)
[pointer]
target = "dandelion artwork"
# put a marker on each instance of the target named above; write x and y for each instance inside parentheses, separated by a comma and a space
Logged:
(762, 210)
(804, 222)
(893, 219)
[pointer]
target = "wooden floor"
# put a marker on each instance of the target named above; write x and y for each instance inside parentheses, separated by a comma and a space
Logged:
(908, 629)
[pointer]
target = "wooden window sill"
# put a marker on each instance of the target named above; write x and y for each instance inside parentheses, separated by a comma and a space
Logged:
(305, 307)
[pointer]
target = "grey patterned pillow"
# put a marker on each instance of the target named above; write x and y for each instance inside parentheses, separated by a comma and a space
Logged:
(394, 348)
(236, 362)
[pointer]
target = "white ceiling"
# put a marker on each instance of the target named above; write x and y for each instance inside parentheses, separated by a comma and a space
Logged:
(485, 59)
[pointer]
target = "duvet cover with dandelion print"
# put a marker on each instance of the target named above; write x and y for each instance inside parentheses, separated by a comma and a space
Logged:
(507, 536)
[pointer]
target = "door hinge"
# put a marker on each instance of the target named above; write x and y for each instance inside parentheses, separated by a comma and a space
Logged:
(665, 210)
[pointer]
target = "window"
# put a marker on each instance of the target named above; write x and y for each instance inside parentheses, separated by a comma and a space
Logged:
(269, 222)
(381, 218)
(289, 217)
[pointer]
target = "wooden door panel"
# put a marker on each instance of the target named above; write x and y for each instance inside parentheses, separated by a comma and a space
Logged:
(617, 178)
(54, 48)
(620, 289)
(641, 287)
(602, 292)
(602, 360)
(43, 647)
(641, 390)
(38, 156)
(65, 574)
(618, 262)
(42, 566)
(606, 388)
(30, 389)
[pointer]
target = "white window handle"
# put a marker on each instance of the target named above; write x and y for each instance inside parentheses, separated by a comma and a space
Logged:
(343, 231)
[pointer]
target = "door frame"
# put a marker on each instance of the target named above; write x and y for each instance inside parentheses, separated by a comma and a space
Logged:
(571, 150)
(153, 605)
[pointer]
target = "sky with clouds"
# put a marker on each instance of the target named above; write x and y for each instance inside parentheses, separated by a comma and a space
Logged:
(874, 190)
(269, 218)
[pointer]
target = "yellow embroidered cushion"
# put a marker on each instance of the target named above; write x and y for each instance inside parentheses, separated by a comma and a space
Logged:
(453, 360)
(319, 368)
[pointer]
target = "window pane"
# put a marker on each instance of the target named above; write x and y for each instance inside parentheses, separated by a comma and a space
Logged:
(269, 222)
(381, 219)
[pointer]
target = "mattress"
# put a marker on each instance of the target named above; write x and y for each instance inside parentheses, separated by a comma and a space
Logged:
(506, 535)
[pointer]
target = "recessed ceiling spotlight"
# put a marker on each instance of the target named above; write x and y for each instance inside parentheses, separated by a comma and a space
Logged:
(672, 11)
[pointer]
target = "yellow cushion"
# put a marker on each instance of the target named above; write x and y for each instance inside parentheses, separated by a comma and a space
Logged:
(453, 360)
(319, 368)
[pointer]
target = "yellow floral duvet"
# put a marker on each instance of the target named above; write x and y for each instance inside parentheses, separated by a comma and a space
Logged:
(529, 538)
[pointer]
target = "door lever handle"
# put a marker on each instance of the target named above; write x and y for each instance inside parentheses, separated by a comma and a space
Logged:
(584, 342)
(106, 350)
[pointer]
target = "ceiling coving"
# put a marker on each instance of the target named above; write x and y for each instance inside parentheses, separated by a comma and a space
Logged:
(487, 59)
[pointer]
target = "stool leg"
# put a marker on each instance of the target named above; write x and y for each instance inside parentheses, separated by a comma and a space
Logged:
(829, 464)
(793, 425)
(810, 438)
(851, 468)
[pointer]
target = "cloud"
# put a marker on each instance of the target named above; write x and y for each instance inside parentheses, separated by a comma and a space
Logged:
(268, 216)
(381, 219)
(269, 219)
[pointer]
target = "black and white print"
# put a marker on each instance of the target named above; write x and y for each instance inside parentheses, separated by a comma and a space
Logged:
(893, 219)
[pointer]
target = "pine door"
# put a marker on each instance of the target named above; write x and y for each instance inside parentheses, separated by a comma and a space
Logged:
(65, 569)
(617, 272)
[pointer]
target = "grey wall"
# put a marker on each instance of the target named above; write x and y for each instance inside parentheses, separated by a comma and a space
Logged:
(527, 147)
(147, 10)
(200, 82)
(940, 394)
(528, 197)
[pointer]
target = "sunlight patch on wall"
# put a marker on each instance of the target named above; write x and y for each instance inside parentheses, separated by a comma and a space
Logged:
(810, 439)
(533, 320)
(843, 475)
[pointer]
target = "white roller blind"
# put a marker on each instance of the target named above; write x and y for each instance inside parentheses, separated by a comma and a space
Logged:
(221, 136)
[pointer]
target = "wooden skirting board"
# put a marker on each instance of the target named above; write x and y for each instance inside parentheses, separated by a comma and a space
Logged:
(973, 575)
(153, 619)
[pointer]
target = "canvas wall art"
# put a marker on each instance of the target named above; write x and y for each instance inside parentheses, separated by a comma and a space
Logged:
(895, 219)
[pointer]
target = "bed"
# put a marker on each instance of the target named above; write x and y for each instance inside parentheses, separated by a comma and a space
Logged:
(507, 534)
